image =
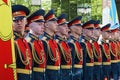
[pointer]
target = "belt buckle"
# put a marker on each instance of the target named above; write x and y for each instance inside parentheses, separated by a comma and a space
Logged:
(30, 71)
(44, 70)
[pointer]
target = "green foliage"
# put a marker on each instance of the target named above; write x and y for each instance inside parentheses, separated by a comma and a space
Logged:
(97, 9)
(69, 7)
(72, 9)
(65, 7)
(56, 6)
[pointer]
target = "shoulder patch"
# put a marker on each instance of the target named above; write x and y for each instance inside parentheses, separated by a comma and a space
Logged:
(57, 40)
(91, 41)
(44, 38)
(71, 41)
(28, 39)
(83, 40)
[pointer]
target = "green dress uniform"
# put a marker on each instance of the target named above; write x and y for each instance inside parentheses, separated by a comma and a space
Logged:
(22, 49)
(88, 58)
(118, 45)
(97, 61)
(76, 51)
(65, 52)
(114, 56)
(52, 51)
(97, 55)
(39, 57)
(23, 58)
(114, 60)
(38, 53)
(53, 57)
(106, 57)
(77, 58)
(66, 59)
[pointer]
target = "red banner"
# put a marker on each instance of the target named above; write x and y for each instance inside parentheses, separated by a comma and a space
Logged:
(7, 55)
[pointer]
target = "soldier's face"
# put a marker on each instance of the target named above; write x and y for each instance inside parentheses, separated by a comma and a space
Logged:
(105, 35)
(52, 25)
(96, 32)
(116, 35)
(89, 32)
(63, 29)
(77, 29)
(37, 27)
(110, 36)
(19, 25)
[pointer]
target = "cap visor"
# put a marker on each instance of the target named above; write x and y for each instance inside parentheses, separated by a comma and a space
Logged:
(18, 17)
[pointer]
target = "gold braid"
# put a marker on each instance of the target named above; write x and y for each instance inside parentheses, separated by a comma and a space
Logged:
(26, 62)
(94, 51)
(118, 49)
(35, 57)
(64, 54)
(50, 54)
(91, 56)
(77, 53)
(112, 51)
(107, 56)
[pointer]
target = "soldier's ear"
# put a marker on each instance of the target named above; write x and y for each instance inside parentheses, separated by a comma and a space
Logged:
(25, 21)
(46, 24)
(30, 25)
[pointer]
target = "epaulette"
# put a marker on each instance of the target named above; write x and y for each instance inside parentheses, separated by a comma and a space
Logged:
(91, 41)
(14, 36)
(28, 39)
(99, 42)
(57, 40)
(34, 37)
(83, 40)
(44, 38)
(107, 41)
(72, 41)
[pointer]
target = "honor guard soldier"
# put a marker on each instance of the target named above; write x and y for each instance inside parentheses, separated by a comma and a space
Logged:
(22, 49)
(118, 44)
(88, 52)
(97, 52)
(106, 57)
(26, 31)
(114, 52)
(66, 58)
(52, 50)
(76, 48)
(36, 25)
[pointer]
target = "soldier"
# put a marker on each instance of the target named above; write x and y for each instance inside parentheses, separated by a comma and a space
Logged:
(36, 25)
(118, 43)
(106, 57)
(88, 52)
(76, 48)
(97, 52)
(114, 53)
(51, 48)
(66, 58)
(26, 31)
(22, 50)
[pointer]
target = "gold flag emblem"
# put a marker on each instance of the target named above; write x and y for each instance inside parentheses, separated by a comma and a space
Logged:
(5, 20)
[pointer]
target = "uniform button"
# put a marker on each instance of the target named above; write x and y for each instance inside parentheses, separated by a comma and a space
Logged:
(30, 71)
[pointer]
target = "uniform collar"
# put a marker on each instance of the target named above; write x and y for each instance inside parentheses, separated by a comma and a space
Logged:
(59, 38)
(47, 35)
(84, 39)
(93, 39)
(73, 38)
(17, 35)
(33, 36)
